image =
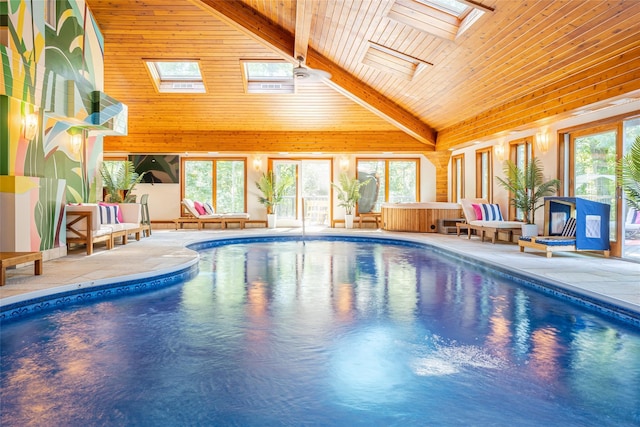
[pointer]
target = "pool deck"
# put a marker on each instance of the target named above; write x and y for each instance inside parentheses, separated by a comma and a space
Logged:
(611, 280)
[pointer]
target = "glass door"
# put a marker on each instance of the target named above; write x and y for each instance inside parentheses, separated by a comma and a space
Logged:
(594, 155)
(312, 178)
(630, 218)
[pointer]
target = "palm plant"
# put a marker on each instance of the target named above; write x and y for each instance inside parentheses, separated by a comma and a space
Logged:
(628, 171)
(527, 187)
(119, 179)
(348, 192)
(273, 191)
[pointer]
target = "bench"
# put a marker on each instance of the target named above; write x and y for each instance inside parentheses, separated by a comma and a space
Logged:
(11, 259)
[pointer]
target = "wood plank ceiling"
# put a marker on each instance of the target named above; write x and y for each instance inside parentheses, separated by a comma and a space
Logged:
(519, 63)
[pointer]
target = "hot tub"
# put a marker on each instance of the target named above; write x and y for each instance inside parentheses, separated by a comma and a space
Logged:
(418, 217)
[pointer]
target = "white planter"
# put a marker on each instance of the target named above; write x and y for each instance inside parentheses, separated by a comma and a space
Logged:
(348, 221)
(271, 220)
(529, 230)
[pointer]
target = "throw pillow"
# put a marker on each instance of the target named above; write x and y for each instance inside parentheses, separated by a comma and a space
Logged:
(569, 229)
(491, 212)
(199, 208)
(209, 208)
(120, 220)
(477, 210)
(636, 220)
(109, 214)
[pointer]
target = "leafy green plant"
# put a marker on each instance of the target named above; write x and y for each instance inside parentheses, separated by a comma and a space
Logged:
(120, 178)
(273, 191)
(628, 171)
(527, 187)
(348, 191)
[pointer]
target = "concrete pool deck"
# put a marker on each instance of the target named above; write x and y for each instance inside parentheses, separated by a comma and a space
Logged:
(607, 279)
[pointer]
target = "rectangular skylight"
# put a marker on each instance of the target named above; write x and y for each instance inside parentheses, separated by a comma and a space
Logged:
(268, 76)
(176, 76)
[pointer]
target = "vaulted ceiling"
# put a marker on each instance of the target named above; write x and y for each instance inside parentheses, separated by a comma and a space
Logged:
(401, 80)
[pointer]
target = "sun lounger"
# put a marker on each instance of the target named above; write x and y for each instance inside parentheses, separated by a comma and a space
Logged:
(491, 224)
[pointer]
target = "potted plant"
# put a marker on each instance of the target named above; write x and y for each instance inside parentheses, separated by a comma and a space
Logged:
(119, 179)
(628, 171)
(527, 189)
(348, 194)
(272, 193)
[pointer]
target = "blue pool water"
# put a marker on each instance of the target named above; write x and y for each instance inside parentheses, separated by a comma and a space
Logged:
(321, 333)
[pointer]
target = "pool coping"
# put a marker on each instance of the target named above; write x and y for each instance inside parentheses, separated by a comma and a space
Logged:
(19, 306)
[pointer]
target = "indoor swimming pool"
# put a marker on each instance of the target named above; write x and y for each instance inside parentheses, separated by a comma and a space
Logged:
(323, 331)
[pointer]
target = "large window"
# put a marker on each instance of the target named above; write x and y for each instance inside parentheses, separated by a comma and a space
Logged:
(397, 179)
(484, 174)
(457, 178)
(222, 182)
(520, 153)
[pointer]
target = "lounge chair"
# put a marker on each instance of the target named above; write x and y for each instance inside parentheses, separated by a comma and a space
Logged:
(492, 223)
(632, 224)
(201, 219)
(584, 227)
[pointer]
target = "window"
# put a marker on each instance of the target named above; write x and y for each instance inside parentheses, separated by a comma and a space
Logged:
(218, 181)
(176, 76)
(520, 153)
(397, 180)
(268, 76)
(443, 18)
(457, 178)
(484, 174)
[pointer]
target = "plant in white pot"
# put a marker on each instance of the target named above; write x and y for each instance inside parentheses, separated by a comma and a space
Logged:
(348, 194)
(527, 189)
(273, 192)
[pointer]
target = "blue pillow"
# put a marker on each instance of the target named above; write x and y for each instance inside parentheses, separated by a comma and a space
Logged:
(491, 212)
(109, 214)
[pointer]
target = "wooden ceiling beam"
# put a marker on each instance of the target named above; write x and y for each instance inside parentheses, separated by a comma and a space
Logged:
(304, 15)
(264, 142)
(240, 16)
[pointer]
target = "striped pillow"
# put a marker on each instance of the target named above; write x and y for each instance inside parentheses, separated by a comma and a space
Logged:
(109, 214)
(491, 212)
(569, 229)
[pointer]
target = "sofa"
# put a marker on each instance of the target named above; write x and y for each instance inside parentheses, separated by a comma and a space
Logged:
(90, 223)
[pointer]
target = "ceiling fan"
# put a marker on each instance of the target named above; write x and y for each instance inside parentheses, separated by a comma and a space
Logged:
(302, 73)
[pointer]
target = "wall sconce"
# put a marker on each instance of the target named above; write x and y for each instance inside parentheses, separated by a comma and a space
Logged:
(76, 143)
(30, 126)
(344, 163)
(499, 150)
(542, 141)
(257, 163)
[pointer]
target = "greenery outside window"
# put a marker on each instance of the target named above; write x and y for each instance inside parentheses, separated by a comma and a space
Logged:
(222, 182)
(398, 179)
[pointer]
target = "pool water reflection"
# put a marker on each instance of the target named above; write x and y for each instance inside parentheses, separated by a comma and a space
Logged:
(323, 333)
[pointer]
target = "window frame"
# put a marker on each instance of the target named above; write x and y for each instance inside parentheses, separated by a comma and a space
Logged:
(387, 161)
(479, 173)
(254, 86)
(214, 179)
(161, 85)
(457, 184)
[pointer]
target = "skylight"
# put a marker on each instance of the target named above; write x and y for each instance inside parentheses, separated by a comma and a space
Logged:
(452, 7)
(443, 18)
(176, 76)
(268, 76)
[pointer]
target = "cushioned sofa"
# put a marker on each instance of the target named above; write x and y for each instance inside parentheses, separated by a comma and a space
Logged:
(90, 223)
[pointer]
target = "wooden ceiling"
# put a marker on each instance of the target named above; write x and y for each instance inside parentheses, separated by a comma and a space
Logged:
(519, 63)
